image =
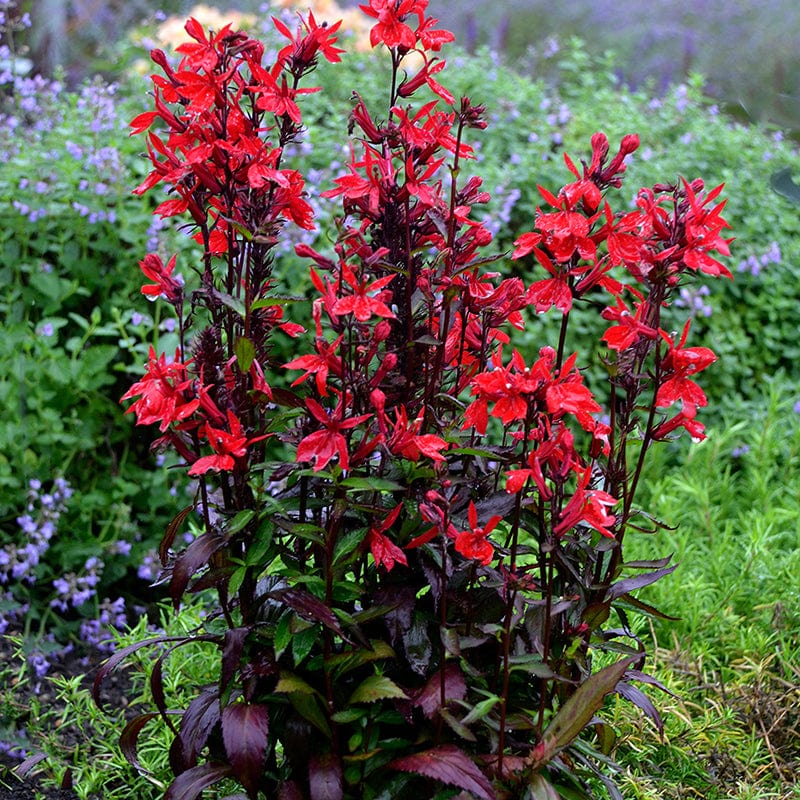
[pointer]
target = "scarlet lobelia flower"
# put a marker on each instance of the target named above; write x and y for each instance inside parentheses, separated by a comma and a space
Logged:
(589, 507)
(228, 446)
(472, 542)
(162, 393)
(385, 552)
(322, 445)
(165, 285)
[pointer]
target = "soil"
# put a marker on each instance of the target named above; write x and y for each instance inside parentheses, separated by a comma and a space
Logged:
(114, 694)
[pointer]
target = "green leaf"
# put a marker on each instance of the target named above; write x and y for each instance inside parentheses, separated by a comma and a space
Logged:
(236, 579)
(283, 634)
(245, 352)
(289, 683)
(349, 715)
(240, 521)
(309, 707)
(303, 643)
(342, 663)
(481, 710)
(362, 483)
(377, 687)
(262, 541)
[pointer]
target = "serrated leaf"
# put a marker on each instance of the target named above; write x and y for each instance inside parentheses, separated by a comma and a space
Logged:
(448, 764)
(245, 728)
(289, 682)
(377, 687)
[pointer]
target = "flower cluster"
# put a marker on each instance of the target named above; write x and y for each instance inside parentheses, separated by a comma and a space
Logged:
(450, 505)
(38, 525)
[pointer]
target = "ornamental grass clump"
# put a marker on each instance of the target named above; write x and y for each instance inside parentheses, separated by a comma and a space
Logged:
(414, 531)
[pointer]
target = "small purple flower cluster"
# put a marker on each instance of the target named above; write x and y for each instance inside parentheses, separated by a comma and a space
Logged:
(693, 298)
(38, 524)
(754, 264)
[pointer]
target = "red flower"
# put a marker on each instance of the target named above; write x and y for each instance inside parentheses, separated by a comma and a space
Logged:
(165, 285)
(679, 363)
(568, 395)
(360, 303)
(587, 507)
(321, 446)
(318, 365)
(391, 28)
(227, 445)
(385, 552)
(162, 393)
(304, 47)
(472, 543)
(630, 328)
(406, 441)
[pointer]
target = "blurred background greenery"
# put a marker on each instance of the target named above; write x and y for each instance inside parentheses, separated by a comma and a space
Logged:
(748, 52)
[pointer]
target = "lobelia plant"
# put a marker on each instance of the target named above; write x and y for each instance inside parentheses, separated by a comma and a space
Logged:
(416, 545)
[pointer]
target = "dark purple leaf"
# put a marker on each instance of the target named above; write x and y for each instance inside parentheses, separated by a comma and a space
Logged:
(310, 607)
(637, 582)
(130, 735)
(325, 779)
(429, 697)
(199, 719)
(244, 732)
(642, 701)
(646, 608)
(400, 601)
(171, 533)
(231, 653)
(448, 764)
(643, 677)
(189, 784)
(289, 790)
(196, 555)
(499, 504)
